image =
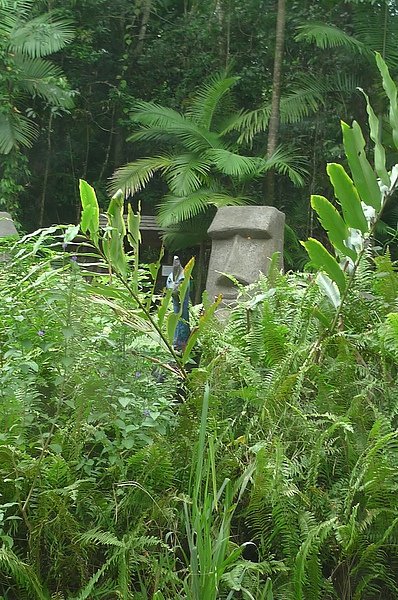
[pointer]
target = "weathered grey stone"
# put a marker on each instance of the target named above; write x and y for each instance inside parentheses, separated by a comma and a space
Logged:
(244, 238)
(7, 227)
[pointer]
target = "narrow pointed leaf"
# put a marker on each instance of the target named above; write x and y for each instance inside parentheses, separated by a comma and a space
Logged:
(163, 307)
(172, 321)
(347, 195)
(187, 277)
(332, 293)
(332, 221)
(362, 173)
(133, 226)
(325, 262)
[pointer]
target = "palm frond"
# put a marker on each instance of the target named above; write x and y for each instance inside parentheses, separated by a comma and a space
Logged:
(181, 208)
(306, 96)
(150, 134)
(187, 173)
(12, 13)
(377, 33)
(231, 122)
(15, 130)
(345, 83)
(169, 122)
(328, 36)
(286, 161)
(207, 99)
(151, 114)
(251, 122)
(41, 36)
(42, 78)
(135, 175)
(229, 163)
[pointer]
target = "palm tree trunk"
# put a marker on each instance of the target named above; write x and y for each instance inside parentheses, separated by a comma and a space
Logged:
(273, 128)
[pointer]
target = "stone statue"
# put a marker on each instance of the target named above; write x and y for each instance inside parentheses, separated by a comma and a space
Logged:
(7, 227)
(7, 230)
(243, 240)
(174, 281)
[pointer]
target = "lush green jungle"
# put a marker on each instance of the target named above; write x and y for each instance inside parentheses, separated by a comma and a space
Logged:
(259, 460)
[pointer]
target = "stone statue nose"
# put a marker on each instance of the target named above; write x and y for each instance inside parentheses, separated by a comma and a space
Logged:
(234, 265)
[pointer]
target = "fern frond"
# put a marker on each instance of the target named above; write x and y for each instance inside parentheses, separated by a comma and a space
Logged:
(105, 538)
(22, 573)
(314, 538)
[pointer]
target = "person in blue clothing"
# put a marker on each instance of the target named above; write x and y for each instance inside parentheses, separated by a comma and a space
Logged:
(173, 283)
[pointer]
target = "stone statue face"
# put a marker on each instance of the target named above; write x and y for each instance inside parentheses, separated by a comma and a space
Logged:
(244, 238)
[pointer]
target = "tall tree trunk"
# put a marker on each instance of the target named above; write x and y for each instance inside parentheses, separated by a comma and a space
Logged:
(46, 171)
(273, 128)
(222, 11)
(146, 12)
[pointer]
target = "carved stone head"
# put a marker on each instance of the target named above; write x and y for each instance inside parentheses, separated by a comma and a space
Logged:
(244, 238)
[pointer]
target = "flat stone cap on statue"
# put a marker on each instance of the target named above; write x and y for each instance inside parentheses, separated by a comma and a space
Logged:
(7, 227)
(258, 221)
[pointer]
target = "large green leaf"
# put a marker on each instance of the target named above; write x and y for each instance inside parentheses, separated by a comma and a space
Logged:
(348, 197)
(113, 240)
(332, 221)
(89, 220)
(391, 91)
(362, 173)
(379, 152)
(325, 262)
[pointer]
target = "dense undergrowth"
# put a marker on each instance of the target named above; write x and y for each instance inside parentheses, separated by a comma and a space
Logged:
(287, 470)
(261, 463)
